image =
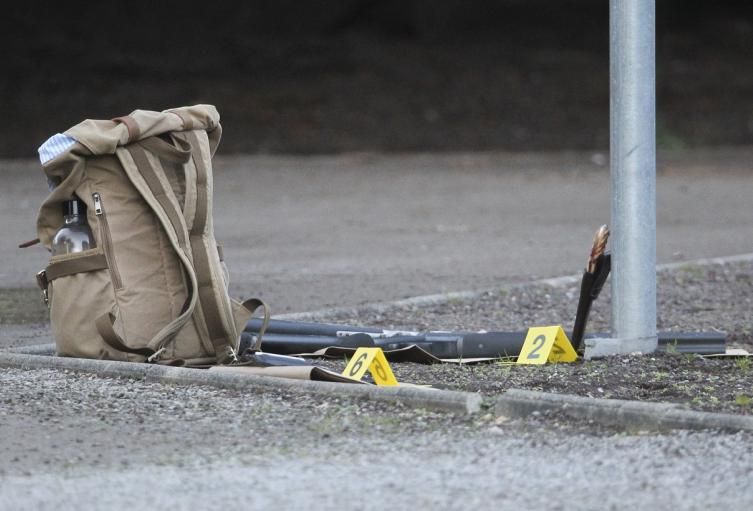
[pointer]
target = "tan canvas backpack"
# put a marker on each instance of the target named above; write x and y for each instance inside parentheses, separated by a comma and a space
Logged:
(155, 287)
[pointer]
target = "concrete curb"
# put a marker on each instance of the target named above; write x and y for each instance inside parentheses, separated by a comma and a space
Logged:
(740, 258)
(424, 300)
(632, 415)
(442, 298)
(34, 349)
(441, 400)
(417, 301)
(515, 402)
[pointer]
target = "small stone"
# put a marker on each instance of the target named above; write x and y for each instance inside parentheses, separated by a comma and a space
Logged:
(501, 419)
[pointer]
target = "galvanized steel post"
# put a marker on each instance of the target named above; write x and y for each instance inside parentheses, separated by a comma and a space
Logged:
(633, 173)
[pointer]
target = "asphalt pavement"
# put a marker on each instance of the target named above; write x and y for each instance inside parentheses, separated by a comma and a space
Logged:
(310, 232)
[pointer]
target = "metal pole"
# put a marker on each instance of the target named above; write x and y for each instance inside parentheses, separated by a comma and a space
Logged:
(633, 173)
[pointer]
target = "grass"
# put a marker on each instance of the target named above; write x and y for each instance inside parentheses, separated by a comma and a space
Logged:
(743, 364)
(506, 362)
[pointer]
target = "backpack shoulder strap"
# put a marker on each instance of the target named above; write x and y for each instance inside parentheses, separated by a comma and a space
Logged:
(191, 238)
(144, 171)
(215, 303)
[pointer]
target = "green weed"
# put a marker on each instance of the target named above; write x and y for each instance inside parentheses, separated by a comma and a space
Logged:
(692, 270)
(743, 364)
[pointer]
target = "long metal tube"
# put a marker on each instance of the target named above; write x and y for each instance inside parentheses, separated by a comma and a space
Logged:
(289, 337)
(633, 171)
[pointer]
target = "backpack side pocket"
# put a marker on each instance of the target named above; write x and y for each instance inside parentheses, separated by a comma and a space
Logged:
(80, 290)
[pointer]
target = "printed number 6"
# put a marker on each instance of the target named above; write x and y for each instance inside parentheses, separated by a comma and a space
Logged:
(538, 343)
(380, 370)
(358, 364)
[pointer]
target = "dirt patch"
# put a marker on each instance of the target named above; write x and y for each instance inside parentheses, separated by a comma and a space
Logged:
(691, 380)
(690, 298)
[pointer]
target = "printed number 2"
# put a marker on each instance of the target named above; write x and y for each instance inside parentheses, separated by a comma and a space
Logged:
(538, 343)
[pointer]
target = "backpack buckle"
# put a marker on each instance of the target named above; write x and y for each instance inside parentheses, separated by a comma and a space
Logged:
(43, 284)
(150, 359)
(230, 356)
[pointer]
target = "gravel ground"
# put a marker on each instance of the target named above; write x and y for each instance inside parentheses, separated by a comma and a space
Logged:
(690, 298)
(115, 422)
(72, 441)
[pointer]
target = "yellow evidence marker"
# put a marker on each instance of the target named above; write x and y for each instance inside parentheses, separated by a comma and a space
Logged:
(373, 360)
(546, 344)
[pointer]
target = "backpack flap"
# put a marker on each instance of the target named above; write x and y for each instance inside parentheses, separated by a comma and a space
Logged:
(132, 153)
(104, 137)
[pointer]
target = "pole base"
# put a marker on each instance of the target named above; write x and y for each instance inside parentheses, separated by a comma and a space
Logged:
(603, 347)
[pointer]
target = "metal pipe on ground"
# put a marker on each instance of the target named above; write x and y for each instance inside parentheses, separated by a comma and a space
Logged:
(292, 337)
